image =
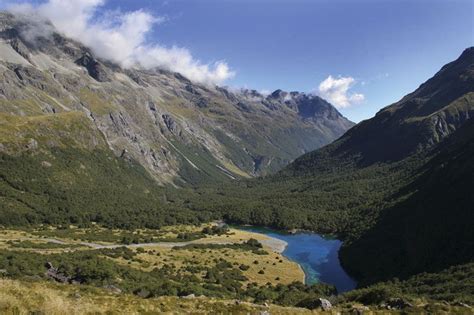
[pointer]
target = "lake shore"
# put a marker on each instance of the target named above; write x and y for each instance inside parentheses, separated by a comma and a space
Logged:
(316, 255)
(275, 244)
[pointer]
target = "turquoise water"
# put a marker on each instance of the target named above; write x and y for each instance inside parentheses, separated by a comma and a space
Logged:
(317, 255)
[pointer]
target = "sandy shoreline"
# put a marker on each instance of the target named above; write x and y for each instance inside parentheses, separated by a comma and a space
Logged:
(279, 246)
(275, 244)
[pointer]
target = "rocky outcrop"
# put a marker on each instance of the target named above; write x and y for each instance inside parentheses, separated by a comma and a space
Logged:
(94, 67)
(54, 274)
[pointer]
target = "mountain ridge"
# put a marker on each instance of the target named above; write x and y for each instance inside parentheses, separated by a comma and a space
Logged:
(417, 122)
(180, 131)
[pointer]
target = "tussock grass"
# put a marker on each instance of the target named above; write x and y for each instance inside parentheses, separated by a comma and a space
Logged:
(18, 297)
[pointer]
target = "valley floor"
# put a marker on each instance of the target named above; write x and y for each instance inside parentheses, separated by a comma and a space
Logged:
(170, 249)
(203, 262)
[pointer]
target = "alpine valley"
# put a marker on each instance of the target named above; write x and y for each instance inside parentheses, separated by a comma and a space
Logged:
(115, 184)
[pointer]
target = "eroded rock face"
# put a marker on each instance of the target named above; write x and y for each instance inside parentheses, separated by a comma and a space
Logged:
(94, 67)
(160, 119)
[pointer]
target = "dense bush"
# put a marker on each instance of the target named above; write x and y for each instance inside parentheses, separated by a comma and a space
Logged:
(92, 268)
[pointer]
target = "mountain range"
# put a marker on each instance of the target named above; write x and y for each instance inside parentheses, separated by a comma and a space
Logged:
(181, 132)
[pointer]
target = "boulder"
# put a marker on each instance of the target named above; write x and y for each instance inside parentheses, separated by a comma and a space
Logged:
(315, 303)
(143, 293)
(462, 304)
(398, 303)
(325, 304)
(359, 310)
(112, 288)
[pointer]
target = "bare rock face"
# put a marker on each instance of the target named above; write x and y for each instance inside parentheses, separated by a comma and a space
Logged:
(94, 67)
(180, 131)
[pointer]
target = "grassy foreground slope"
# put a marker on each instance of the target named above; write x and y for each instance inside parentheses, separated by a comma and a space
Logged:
(19, 297)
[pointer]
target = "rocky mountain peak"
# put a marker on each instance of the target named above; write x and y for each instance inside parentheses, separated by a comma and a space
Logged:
(278, 94)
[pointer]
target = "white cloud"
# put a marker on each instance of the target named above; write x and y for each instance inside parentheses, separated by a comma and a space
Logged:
(265, 92)
(122, 37)
(336, 91)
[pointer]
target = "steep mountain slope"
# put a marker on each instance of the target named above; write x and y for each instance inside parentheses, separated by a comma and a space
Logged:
(432, 228)
(417, 122)
(179, 131)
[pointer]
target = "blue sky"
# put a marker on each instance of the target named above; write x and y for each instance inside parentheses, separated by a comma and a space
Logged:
(387, 47)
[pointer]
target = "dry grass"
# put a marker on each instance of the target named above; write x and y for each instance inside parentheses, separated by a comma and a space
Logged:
(18, 297)
(276, 268)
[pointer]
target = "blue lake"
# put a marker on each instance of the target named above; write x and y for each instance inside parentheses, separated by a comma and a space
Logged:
(317, 255)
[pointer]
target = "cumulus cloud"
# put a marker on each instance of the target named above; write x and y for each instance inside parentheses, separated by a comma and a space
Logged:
(336, 91)
(121, 37)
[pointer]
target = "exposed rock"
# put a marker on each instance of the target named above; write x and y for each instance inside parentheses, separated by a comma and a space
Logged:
(191, 89)
(46, 164)
(135, 76)
(94, 68)
(190, 296)
(202, 102)
(169, 122)
(54, 274)
(143, 293)
(112, 288)
(398, 303)
(244, 106)
(360, 310)
(325, 304)
(461, 304)
(18, 45)
(32, 144)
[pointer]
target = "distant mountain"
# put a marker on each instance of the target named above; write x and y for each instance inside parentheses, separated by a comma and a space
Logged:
(179, 131)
